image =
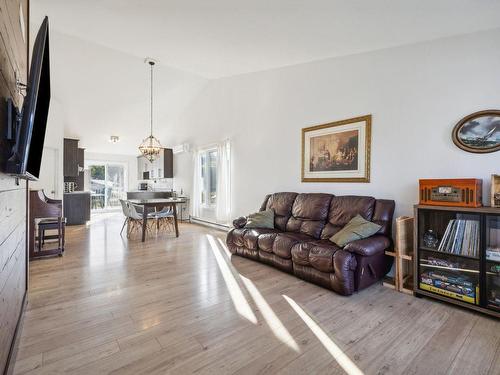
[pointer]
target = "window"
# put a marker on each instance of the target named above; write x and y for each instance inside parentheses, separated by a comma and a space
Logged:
(107, 185)
(212, 184)
(208, 169)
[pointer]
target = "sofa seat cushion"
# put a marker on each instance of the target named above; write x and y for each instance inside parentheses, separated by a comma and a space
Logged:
(251, 236)
(316, 254)
(321, 256)
(266, 241)
(284, 242)
(300, 253)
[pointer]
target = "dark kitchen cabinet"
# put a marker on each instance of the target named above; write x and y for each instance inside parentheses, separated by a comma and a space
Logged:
(168, 163)
(70, 164)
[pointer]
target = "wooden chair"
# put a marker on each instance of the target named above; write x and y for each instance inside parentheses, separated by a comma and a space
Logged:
(50, 212)
(58, 224)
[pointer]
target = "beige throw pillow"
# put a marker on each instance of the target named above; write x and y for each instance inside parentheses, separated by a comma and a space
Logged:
(356, 229)
(262, 219)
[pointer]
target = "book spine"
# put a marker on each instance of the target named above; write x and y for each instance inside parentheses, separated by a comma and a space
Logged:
(447, 293)
(450, 236)
(451, 247)
(445, 237)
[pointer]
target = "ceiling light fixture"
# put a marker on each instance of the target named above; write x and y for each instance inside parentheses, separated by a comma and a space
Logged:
(150, 147)
(114, 139)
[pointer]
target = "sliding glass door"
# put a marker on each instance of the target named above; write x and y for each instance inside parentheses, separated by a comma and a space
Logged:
(107, 185)
(212, 184)
(208, 160)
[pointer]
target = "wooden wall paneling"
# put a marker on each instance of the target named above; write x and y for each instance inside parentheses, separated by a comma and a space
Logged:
(16, 51)
(12, 261)
(13, 257)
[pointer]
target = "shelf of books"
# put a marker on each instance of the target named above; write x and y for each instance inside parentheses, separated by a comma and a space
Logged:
(493, 262)
(459, 256)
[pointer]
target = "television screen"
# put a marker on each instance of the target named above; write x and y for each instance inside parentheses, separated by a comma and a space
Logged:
(27, 152)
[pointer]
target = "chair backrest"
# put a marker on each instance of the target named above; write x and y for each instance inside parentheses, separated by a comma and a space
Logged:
(132, 211)
(125, 209)
(167, 210)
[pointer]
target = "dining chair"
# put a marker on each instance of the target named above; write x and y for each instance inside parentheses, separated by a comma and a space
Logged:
(135, 218)
(125, 211)
(165, 218)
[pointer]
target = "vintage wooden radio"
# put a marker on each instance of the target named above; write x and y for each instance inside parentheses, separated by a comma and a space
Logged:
(461, 192)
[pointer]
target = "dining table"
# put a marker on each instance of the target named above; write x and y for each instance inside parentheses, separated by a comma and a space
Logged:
(157, 203)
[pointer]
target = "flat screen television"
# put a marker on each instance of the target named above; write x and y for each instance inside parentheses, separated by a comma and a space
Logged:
(26, 156)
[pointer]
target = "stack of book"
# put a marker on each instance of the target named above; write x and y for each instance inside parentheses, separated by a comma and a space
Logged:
(450, 285)
(461, 237)
(493, 253)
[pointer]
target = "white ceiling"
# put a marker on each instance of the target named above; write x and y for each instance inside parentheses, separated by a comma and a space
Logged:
(216, 38)
(98, 46)
(104, 92)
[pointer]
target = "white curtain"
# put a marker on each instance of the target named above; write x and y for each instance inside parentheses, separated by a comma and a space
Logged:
(223, 203)
(196, 197)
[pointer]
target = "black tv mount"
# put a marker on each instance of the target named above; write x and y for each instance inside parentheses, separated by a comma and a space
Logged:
(13, 121)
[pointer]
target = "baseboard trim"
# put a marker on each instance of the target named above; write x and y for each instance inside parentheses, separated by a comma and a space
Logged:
(11, 359)
(210, 224)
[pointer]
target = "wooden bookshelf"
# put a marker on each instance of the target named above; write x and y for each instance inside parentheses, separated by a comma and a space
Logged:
(402, 280)
(446, 272)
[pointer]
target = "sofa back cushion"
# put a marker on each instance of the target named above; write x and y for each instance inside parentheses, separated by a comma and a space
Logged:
(383, 214)
(309, 214)
(281, 204)
(343, 209)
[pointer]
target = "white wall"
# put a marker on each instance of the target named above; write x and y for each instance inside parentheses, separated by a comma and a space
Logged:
(415, 93)
(106, 92)
(51, 173)
(183, 173)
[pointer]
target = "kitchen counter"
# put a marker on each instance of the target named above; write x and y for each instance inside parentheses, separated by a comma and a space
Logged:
(76, 207)
(148, 194)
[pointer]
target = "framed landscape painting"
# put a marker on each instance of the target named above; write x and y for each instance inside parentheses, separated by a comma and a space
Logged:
(338, 151)
(479, 132)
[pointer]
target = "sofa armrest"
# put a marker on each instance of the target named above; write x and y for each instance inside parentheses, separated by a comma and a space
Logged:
(369, 246)
(240, 222)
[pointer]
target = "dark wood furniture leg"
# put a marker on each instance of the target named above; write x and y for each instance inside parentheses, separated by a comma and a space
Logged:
(144, 222)
(175, 220)
(40, 231)
(63, 224)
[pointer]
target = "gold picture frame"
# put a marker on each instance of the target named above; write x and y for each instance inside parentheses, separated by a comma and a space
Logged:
(338, 151)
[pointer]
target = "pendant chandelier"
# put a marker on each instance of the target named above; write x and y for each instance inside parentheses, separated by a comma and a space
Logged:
(150, 147)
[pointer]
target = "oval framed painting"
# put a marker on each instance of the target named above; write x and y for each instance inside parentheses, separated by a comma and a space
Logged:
(478, 132)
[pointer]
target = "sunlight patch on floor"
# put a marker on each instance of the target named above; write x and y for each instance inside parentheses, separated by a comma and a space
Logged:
(269, 315)
(342, 359)
(239, 301)
(224, 247)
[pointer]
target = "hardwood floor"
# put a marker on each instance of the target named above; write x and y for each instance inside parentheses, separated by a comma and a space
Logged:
(183, 305)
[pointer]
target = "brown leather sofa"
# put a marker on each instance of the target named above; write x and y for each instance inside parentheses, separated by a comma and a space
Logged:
(299, 242)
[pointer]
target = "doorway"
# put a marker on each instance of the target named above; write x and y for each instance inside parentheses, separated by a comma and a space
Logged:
(108, 184)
